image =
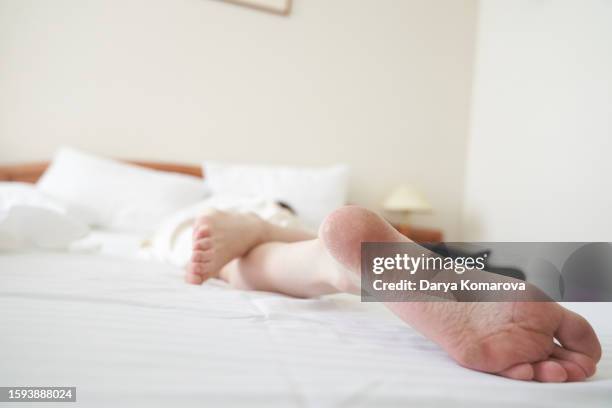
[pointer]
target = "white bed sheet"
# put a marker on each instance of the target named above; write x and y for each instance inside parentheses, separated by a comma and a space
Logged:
(131, 333)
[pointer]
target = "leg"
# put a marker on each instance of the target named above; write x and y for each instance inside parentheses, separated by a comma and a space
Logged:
(222, 236)
(251, 253)
(300, 269)
(515, 340)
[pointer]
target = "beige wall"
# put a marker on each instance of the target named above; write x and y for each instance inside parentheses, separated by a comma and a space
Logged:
(539, 162)
(383, 85)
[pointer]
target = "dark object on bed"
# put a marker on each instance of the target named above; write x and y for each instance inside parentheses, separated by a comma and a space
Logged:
(286, 206)
(454, 252)
(587, 273)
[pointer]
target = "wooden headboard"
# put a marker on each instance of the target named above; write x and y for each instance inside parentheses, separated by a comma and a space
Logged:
(31, 172)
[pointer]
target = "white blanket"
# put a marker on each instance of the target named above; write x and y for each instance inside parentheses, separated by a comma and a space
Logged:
(131, 333)
(29, 219)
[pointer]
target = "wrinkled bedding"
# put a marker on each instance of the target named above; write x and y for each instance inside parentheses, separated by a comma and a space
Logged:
(129, 332)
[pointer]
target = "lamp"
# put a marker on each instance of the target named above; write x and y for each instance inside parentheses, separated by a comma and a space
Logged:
(405, 200)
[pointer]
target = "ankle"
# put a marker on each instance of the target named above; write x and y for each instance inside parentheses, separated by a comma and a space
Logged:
(264, 231)
(343, 284)
(339, 277)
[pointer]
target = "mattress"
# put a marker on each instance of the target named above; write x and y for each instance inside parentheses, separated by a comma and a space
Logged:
(129, 332)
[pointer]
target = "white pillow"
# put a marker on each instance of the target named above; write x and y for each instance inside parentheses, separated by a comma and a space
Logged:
(28, 219)
(115, 195)
(311, 192)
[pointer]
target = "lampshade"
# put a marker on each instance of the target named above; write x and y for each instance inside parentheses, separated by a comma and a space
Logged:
(406, 198)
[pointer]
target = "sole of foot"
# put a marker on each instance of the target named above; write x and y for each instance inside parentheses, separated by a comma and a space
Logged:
(540, 341)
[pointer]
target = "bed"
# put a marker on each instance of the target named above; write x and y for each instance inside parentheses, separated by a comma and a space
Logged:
(127, 331)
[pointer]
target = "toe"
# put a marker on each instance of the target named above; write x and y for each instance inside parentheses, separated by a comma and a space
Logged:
(201, 231)
(201, 269)
(201, 256)
(574, 371)
(202, 244)
(193, 278)
(198, 268)
(576, 334)
(522, 372)
(549, 371)
(586, 363)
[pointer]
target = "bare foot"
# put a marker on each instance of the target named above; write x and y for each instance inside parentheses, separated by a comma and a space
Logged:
(219, 237)
(539, 341)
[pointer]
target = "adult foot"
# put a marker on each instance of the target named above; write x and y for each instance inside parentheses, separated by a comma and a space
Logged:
(218, 238)
(539, 341)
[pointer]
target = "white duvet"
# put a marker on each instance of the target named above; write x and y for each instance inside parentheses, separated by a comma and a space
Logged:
(131, 333)
(29, 219)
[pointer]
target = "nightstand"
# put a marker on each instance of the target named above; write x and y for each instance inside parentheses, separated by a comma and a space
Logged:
(425, 235)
